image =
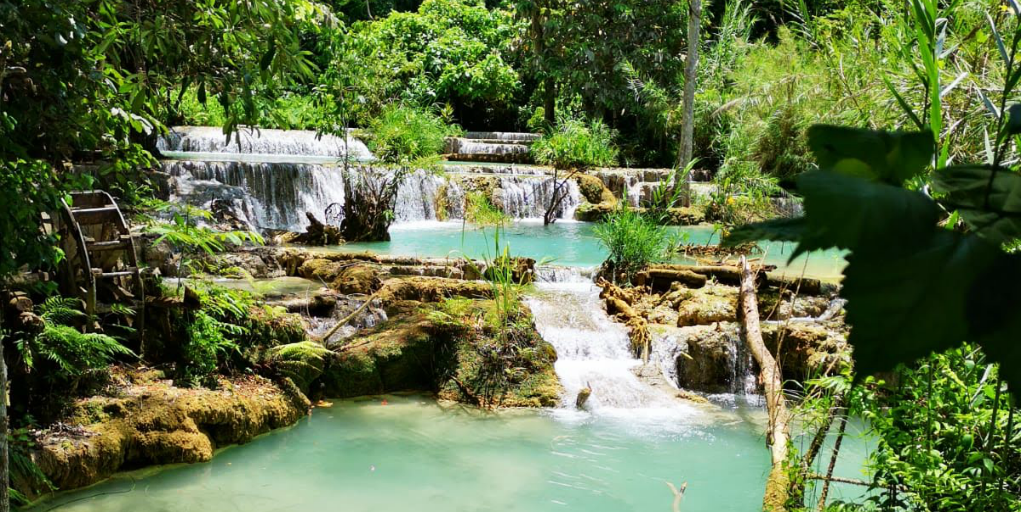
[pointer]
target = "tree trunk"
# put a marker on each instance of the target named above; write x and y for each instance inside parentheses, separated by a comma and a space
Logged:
(549, 101)
(776, 492)
(689, 89)
(5, 498)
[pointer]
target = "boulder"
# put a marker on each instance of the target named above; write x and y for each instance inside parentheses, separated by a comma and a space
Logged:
(711, 361)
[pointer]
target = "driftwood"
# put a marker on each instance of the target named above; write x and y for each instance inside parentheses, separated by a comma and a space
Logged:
(351, 315)
(777, 489)
(619, 303)
(583, 395)
(663, 278)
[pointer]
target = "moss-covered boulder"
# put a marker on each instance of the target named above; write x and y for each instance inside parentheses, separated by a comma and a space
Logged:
(451, 347)
(808, 349)
(709, 304)
(145, 420)
(593, 190)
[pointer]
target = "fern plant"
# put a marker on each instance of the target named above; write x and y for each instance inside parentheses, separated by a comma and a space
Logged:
(71, 351)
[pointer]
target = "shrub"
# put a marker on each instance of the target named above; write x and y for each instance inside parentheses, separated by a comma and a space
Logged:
(406, 136)
(574, 144)
(481, 212)
(633, 239)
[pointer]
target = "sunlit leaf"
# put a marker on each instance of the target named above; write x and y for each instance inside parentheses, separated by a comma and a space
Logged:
(892, 157)
(988, 199)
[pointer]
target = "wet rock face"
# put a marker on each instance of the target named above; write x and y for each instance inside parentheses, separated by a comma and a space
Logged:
(709, 304)
(808, 349)
(710, 362)
(145, 420)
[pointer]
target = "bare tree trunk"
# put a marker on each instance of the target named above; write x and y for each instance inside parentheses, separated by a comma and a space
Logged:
(776, 492)
(689, 89)
(5, 498)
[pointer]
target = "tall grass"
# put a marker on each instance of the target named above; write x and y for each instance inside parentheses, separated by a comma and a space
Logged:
(634, 240)
(576, 144)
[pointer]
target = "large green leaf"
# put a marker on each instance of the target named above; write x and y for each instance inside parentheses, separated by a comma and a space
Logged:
(988, 199)
(904, 307)
(892, 157)
(854, 213)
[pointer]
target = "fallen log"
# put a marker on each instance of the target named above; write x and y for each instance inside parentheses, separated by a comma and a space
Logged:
(661, 279)
(776, 492)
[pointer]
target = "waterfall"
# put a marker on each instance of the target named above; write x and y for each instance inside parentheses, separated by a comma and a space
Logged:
(210, 139)
(270, 179)
(275, 195)
(592, 349)
(491, 146)
(529, 197)
(264, 195)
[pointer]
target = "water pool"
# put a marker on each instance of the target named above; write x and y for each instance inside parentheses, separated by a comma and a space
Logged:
(415, 454)
(563, 243)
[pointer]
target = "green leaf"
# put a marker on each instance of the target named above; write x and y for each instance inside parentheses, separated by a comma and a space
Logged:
(988, 199)
(777, 230)
(892, 157)
(853, 213)
(268, 58)
(904, 307)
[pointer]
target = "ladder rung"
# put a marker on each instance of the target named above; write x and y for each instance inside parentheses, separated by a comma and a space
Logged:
(111, 245)
(98, 272)
(94, 215)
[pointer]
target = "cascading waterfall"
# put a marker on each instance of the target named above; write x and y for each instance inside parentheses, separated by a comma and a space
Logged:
(592, 349)
(210, 139)
(266, 195)
(278, 195)
(274, 177)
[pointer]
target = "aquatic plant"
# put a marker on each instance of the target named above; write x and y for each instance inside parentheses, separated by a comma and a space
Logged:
(634, 240)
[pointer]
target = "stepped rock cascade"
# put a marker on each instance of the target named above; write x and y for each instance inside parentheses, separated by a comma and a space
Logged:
(211, 139)
(275, 177)
(265, 195)
(593, 350)
(491, 146)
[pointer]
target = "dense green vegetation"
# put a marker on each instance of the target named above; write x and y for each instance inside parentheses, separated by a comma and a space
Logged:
(897, 124)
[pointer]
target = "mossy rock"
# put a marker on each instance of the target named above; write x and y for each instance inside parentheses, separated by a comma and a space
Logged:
(707, 305)
(593, 190)
(425, 348)
(146, 421)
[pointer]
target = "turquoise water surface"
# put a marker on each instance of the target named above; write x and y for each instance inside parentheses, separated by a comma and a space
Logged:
(413, 454)
(565, 243)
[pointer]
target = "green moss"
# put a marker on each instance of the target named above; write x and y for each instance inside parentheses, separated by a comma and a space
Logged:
(450, 348)
(593, 189)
